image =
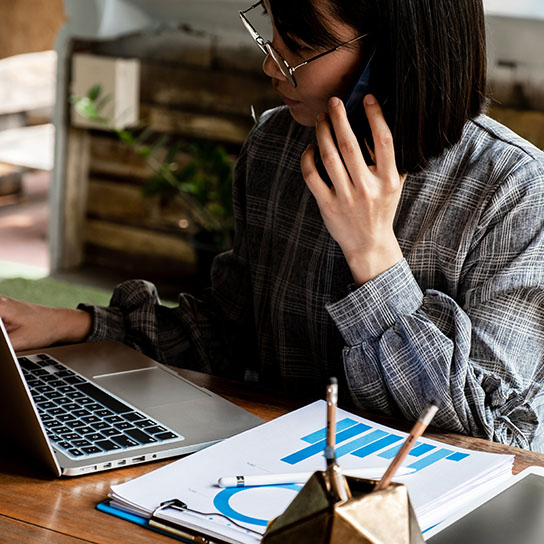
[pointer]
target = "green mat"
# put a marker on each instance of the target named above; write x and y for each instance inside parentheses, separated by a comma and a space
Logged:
(53, 292)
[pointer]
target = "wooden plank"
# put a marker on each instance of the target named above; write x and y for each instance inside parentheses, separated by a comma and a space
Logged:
(30, 147)
(74, 202)
(528, 124)
(171, 277)
(231, 129)
(118, 201)
(18, 531)
(11, 180)
(11, 120)
(124, 203)
(173, 45)
(221, 91)
(27, 82)
(111, 157)
(138, 241)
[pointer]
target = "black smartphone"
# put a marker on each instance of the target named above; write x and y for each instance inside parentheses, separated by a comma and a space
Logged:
(355, 110)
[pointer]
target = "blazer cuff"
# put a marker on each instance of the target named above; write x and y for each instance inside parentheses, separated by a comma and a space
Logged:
(107, 323)
(375, 306)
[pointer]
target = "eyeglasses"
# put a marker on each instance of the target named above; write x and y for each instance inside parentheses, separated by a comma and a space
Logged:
(268, 49)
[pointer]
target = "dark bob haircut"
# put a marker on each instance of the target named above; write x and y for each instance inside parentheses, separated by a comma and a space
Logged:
(428, 71)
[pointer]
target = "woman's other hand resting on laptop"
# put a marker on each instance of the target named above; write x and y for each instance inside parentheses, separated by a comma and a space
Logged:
(34, 326)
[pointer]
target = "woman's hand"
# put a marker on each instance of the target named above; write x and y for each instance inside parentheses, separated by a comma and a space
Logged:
(34, 326)
(359, 208)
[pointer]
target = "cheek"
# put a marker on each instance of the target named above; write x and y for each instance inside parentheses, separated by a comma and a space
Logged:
(317, 92)
(341, 80)
(333, 80)
(318, 83)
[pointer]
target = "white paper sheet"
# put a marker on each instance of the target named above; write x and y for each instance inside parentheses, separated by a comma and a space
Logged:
(446, 476)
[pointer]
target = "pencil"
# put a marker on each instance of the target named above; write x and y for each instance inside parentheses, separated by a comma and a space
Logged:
(332, 399)
(338, 484)
(417, 430)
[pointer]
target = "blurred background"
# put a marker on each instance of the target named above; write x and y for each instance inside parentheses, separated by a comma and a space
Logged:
(120, 121)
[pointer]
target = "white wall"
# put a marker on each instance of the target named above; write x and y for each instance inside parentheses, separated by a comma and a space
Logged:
(520, 8)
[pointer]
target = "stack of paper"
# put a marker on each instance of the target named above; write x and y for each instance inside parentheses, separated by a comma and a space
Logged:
(445, 477)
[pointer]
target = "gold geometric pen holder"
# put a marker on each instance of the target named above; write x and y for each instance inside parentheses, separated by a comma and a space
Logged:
(373, 517)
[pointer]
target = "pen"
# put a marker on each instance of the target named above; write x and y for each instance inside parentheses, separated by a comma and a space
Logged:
(371, 473)
(338, 484)
(417, 430)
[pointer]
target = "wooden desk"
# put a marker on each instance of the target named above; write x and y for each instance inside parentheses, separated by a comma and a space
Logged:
(35, 508)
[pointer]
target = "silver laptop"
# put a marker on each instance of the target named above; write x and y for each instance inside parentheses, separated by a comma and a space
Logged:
(510, 513)
(84, 408)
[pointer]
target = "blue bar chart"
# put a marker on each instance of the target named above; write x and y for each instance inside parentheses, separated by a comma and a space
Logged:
(362, 440)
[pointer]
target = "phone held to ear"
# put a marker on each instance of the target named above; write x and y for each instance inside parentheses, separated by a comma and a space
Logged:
(355, 110)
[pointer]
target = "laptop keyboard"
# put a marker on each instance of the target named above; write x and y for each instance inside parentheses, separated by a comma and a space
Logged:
(82, 419)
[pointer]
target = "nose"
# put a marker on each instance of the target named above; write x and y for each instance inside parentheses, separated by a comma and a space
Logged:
(271, 69)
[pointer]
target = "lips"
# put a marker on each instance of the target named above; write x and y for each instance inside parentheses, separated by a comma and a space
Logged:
(288, 101)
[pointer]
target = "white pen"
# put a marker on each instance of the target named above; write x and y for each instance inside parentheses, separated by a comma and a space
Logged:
(373, 473)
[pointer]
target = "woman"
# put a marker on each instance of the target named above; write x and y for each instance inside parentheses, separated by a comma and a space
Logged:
(413, 274)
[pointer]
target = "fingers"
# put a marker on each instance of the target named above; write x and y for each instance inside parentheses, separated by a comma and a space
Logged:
(332, 159)
(346, 141)
(311, 176)
(384, 148)
(348, 145)
(341, 152)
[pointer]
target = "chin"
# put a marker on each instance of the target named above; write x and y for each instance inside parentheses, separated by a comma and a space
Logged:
(304, 118)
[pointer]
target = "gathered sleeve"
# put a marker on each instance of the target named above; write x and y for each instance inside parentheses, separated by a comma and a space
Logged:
(212, 333)
(479, 351)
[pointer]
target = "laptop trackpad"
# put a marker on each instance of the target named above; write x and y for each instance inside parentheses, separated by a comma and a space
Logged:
(149, 387)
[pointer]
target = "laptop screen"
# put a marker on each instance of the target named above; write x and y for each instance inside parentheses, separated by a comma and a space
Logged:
(514, 515)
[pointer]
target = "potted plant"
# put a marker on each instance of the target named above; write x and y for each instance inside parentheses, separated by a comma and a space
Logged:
(198, 173)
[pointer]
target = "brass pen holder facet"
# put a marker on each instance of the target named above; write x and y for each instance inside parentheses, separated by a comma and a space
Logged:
(373, 517)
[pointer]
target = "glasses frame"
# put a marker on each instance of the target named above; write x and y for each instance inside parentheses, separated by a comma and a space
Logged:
(268, 49)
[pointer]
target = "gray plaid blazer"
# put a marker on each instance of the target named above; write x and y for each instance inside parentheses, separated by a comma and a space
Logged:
(460, 319)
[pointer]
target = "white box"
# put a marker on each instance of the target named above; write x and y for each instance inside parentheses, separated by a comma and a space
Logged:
(120, 81)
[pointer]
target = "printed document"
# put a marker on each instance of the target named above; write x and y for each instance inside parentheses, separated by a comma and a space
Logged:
(445, 476)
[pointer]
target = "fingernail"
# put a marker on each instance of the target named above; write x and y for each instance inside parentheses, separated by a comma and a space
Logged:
(321, 116)
(370, 100)
(333, 102)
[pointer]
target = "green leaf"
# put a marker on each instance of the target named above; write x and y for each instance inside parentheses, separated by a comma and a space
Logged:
(144, 151)
(126, 137)
(188, 173)
(188, 188)
(88, 110)
(94, 92)
(216, 209)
